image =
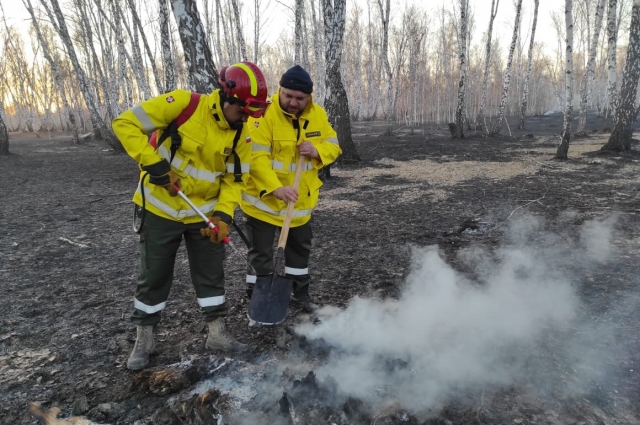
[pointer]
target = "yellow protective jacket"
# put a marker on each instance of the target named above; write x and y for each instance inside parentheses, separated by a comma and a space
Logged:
(204, 161)
(273, 161)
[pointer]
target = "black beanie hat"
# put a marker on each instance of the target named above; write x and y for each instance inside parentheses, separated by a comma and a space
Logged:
(296, 78)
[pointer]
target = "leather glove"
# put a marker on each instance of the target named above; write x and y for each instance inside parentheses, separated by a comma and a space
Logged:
(220, 235)
(160, 174)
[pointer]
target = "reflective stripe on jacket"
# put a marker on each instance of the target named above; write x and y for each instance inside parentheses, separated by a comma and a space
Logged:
(204, 162)
(274, 157)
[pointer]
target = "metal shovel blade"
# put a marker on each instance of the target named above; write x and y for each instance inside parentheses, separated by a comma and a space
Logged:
(270, 299)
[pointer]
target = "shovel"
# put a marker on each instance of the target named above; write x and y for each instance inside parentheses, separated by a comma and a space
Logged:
(207, 221)
(270, 297)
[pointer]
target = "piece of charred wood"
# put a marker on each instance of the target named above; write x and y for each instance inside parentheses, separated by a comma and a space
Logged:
(50, 416)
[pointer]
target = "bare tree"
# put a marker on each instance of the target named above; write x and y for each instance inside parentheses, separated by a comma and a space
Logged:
(458, 133)
(384, 51)
(4, 134)
(46, 51)
(336, 102)
(612, 65)
(626, 110)
(507, 73)
(99, 126)
(585, 85)
(525, 94)
(487, 60)
(242, 47)
(145, 43)
(165, 45)
(203, 76)
(298, 30)
(563, 149)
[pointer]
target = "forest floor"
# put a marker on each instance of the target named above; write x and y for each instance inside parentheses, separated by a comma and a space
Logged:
(474, 281)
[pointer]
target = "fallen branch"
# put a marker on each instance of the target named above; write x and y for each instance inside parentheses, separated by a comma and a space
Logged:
(517, 208)
(69, 241)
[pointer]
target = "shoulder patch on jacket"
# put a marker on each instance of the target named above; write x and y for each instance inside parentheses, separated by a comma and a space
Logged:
(170, 99)
(256, 124)
(247, 139)
(312, 134)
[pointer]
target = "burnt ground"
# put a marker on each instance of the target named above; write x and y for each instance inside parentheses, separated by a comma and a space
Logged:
(69, 260)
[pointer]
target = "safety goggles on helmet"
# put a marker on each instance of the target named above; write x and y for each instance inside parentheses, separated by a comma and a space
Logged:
(254, 108)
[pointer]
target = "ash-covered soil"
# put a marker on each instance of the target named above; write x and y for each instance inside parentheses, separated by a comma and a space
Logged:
(475, 281)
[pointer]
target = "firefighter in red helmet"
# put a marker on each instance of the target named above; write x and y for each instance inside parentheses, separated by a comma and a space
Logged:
(199, 144)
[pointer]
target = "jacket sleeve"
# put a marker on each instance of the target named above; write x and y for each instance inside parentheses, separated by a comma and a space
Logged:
(262, 174)
(134, 125)
(329, 148)
(230, 190)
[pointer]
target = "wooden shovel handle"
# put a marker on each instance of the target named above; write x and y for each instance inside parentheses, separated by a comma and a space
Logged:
(287, 217)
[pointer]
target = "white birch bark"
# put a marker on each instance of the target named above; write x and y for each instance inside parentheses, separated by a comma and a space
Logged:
(563, 149)
(459, 121)
(384, 52)
(203, 76)
(242, 47)
(612, 67)
(336, 104)
(525, 94)
(318, 55)
(487, 61)
(145, 43)
(507, 73)
(585, 84)
(297, 31)
(626, 109)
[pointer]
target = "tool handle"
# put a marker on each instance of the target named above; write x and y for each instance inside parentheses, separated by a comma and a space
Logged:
(207, 220)
(284, 232)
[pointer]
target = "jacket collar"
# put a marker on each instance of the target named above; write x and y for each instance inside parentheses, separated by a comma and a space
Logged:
(216, 110)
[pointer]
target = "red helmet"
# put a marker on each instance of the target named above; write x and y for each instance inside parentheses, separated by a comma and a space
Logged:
(244, 81)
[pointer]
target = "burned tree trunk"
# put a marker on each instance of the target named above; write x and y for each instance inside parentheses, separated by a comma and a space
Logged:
(525, 94)
(507, 73)
(203, 76)
(4, 134)
(563, 149)
(459, 130)
(626, 112)
(585, 87)
(336, 100)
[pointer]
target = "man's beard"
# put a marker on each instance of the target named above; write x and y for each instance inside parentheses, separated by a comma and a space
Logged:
(236, 125)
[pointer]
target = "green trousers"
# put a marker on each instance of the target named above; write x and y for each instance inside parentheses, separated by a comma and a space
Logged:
(159, 242)
(261, 237)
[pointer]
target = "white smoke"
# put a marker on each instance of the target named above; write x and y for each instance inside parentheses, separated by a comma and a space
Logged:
(448, 332)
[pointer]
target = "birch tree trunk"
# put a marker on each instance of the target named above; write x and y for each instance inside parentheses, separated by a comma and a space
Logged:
(242, 47)
(507, 73)
(56, 73)
(4, 134)
(203, 76)
(525, 94)
(318, 89)
(626, 110)
(612, 66)
(100, 129)
(145, 43)
(384, 51)
(459, 130)
(336, 102)
(165, 45)
(297, 57)
(256, 30)
(563, 149)
(487, 61)
(585, 85)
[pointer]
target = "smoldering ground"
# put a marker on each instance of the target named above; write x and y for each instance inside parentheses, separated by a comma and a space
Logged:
(515, 319)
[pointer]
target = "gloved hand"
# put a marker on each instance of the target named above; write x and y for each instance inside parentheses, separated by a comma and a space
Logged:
(220, 235)
(160, 174)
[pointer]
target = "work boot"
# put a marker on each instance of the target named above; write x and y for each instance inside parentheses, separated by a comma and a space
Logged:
(301, 297)
(219, 340)
(144, 346)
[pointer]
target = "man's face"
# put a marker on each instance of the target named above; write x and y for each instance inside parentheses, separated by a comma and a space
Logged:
(293, 101)
(234, 115)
